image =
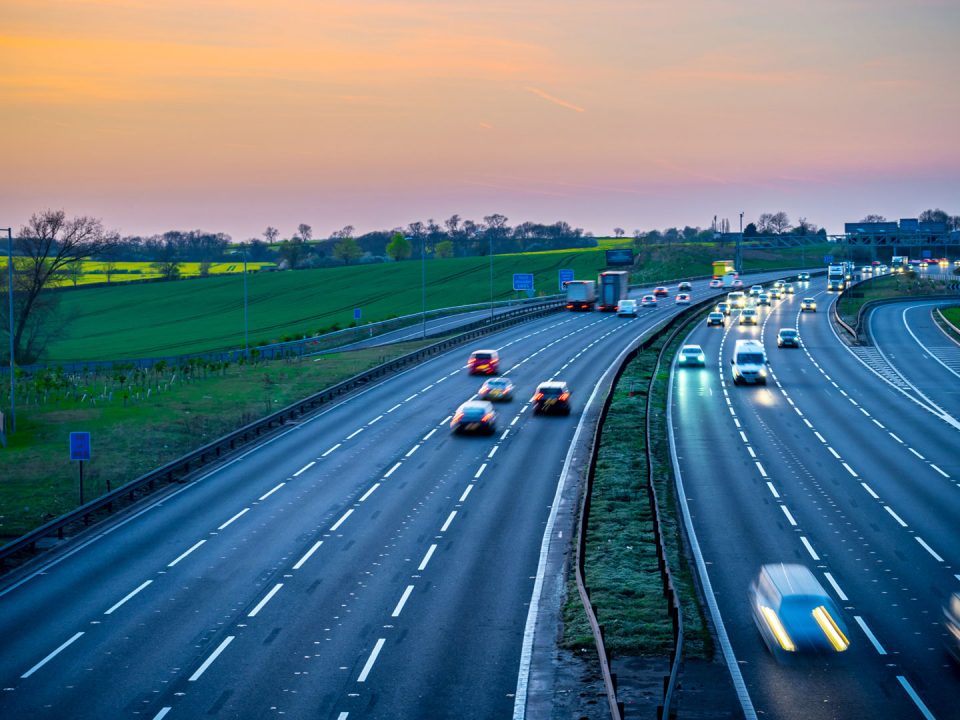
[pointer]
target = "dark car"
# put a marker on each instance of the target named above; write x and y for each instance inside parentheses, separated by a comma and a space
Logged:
(484, 362)
(715, 318)
(551, 397)
(474, 416)
(788, 337)
(793, 612)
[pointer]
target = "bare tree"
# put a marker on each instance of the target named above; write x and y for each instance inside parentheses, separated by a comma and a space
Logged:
(271, 234)
(47, 244)
(306, 232)
(874, 218)
(618, 232)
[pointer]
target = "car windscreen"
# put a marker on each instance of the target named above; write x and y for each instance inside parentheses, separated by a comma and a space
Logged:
(788, 333)
(749, 358)
(474, 413)
(482, 356)
(552, 391)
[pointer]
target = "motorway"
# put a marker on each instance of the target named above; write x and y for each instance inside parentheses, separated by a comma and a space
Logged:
(846, 463)
(361, 563)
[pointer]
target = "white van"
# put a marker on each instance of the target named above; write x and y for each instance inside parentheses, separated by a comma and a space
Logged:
(749, 362)
(737, 299)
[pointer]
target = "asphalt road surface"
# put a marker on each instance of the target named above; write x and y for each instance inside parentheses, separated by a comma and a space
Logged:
(846, 466)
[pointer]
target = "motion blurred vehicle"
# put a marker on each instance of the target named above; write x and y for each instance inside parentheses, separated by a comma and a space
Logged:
(788, 337)
(866, 270)
(793, 612)
(748, 316)
(551, 397)
(737, 283)
(723, 307)
(789, 289)
(803, 277)
(627, 308)
(716, 318)
(648, 301)
(684, 287)
(763, 299)
(749, 363)
(661, 291)
(777, 292)
(944, 263)
(498, 389)
(737, 299)
(484, 362)
(716, 283)
(683, 299)
(808, 304)
(691, 356)
(951, 621)
(779, 283)
(755, 290)
(956, 263)
(474, 416)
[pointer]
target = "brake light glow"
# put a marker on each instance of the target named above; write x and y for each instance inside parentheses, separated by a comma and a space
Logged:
(830, 629)
(457, 418)
(538, 396)
(564, 396)
(487, 417)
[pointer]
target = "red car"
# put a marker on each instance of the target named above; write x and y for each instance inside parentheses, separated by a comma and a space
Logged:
(661, 291)
(483, 362)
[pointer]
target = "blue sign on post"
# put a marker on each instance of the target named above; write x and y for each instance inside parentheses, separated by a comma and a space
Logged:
(565, 277)
(827, 259)
(356, 313)
(79, 446)
(925, 254)
(523, 281)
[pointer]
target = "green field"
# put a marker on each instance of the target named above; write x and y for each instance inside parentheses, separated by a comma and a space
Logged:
(93, 271)
(205, 314)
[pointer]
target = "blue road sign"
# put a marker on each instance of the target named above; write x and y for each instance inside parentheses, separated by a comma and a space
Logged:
(565, 277)
(827, 259)
(79, 446)
(523, 281)
(925, 254)
(356, 313)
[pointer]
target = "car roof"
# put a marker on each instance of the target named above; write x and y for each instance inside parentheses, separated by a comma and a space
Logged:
(552, 384)
(497, 381)
(809, 299)
(692, 348)
(788, 330)
(752, 344)
(793, 579)
(484, 405)
(489, 352)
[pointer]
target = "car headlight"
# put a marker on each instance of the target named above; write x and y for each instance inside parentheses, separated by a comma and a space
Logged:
(763, 372)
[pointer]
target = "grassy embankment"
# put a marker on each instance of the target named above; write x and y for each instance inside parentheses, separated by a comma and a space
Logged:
(145, 421)
(910, 284)
(953, 317)
(94, 271)
(621, 561)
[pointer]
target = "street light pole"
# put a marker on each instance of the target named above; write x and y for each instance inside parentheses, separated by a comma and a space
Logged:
(423, 282)
(13, 394)
(246, 334)
(739, 261)
(490, 253)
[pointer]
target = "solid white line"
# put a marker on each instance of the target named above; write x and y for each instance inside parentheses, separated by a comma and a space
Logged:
(480, 471)
(939, 470)
(331, 449)
(163, 713)
(238, 515)
(819, 437)
(870, 636)
(763, 473)
(306, 556)
(356, 432)
(378, 418)
(465, 493)
(426, 558)
(833, 452)
(809, 547)
(789, 516)
(412, 450)
(391, 471)
(369, 492)
(306, 467)
(773, 490)
(271, 492)
(870, 490)
(894, 515)
(371, 660)
(450, 517)
(924, 710)
(492, 452)
(916, 453)
(429, 435)
(186, 553)
(927, 548)
(266, 599)
(51, 656)
(209, 661)
(403, 601)
(339, 522)
(840, 593)
(850, 470)
(142, 586)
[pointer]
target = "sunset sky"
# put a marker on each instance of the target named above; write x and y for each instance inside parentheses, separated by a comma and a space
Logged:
(231, 115)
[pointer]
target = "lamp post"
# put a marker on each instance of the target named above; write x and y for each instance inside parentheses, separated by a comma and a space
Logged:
(423, 282)
(739, 261)
(246, 333)
(13, 402)
(490, 253)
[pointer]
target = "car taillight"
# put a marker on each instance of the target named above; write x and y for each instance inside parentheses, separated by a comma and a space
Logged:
(564, 396)
(487, 417)
(457, 418)
(538, 396)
